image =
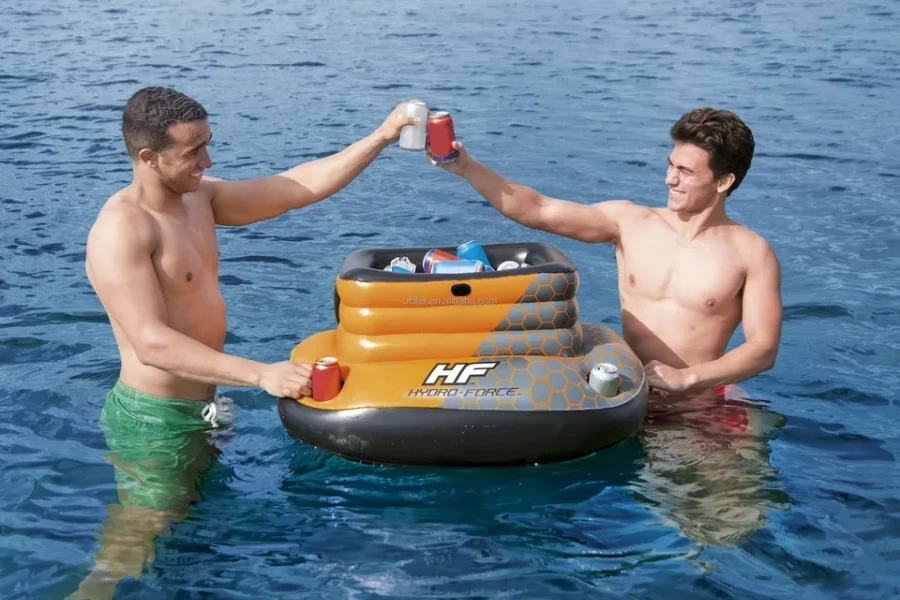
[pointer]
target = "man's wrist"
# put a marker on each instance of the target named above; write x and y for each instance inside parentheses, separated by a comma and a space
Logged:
(691, 377)
(382, 138)
(254, 372)
(468, 168)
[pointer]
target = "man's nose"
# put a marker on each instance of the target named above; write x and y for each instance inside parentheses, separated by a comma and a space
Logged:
(672, 176)
(207, 161)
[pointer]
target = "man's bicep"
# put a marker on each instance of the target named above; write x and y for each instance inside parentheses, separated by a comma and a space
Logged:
(248, 201)
(122, 273)
(585, 222)
(762, 299)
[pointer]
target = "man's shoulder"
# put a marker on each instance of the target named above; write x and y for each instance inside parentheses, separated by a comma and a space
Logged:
(120, 223)
(641, 214)
(747, 237)
(752, 245)
(627, 209)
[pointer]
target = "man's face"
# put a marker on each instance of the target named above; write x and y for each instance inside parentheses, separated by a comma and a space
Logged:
(692, 186)
(182, 163)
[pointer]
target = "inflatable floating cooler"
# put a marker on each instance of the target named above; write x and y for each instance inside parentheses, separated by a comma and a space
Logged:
(465, 369)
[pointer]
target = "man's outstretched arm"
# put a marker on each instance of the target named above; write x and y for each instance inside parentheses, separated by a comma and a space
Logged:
(762, 317)
(253, 200)
(585, 222)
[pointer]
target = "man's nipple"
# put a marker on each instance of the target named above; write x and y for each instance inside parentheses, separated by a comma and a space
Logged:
(631, 280)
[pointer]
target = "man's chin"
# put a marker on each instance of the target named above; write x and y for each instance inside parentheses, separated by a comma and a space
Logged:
(190, 186)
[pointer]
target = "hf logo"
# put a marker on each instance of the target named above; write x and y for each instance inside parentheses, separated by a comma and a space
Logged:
(457, 374)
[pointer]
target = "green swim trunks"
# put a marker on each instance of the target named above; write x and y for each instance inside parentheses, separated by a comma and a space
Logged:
(160, 446)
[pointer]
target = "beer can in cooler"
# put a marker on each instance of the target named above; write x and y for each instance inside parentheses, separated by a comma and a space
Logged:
(326, 379)
(434, 256)
(412, 137)
(472, 250)
(401, 264)
(507, 265)
(458, 266)
(441, 137)
(604, 379)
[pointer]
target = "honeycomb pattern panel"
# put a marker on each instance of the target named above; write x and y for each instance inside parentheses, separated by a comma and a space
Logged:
(551, 287)
(561, 314)
(595, 335)
(546, 342)
(534, 383)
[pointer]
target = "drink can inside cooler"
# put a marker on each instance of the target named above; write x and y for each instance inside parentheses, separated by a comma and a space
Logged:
(458, 266)
(434, 256)
(472, 250)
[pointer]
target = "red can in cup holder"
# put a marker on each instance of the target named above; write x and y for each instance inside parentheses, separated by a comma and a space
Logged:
(326, 379)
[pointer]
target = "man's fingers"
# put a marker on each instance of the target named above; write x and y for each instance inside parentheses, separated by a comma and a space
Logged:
(303, 369)
(295, 391)
(289, 392)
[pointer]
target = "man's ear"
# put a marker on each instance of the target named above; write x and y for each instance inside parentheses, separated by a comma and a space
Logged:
(724, 183)
(148, 157)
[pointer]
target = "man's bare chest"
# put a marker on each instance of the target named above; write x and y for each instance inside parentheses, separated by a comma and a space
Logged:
(701, 276)
(187, 256)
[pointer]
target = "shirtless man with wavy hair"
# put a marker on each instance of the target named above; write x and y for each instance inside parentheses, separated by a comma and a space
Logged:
(688, 274)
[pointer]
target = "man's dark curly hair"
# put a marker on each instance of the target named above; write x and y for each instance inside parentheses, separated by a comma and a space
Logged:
(150, 112)
(721, 133)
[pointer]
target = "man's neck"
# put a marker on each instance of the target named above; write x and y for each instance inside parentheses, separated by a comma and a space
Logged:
(691, 225)
(153, 194)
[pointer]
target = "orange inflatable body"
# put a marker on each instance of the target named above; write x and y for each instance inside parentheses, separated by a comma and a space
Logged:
(487, 368)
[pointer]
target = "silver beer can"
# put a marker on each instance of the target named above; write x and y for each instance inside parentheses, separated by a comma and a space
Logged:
(412, 137)
(506, 265)
(401, 264)
(604, 379)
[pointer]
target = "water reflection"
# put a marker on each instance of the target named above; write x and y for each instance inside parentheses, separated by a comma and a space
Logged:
(707, 466)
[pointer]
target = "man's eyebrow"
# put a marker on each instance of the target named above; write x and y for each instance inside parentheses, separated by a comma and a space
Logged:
(683, 168)
(201, 144)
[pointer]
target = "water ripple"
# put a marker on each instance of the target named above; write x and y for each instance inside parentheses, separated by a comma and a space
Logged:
(790, 496)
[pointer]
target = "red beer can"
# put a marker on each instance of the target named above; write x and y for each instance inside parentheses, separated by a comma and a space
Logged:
(326, 379)
(441, 137)
(434, 255)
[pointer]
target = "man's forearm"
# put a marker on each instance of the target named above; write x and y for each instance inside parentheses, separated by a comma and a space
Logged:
(514, 201)
(744, 362)
(185, 357)
(327, 176)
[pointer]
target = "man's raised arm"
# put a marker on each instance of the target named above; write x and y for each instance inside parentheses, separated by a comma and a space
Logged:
(585, 222)
(245, 202)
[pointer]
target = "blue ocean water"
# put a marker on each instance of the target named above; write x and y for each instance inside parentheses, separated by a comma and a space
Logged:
(574, 99)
